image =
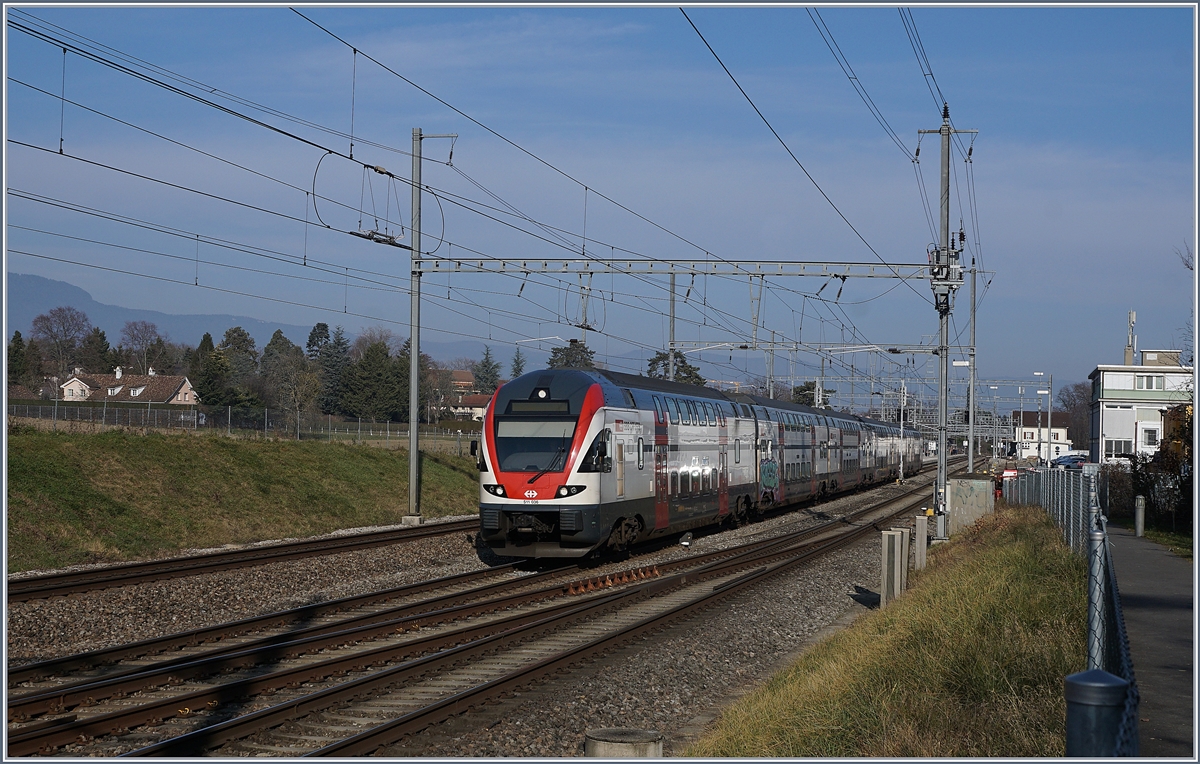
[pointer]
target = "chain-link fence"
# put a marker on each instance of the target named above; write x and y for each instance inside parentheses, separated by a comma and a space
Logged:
(245, 422)
(1071, 497)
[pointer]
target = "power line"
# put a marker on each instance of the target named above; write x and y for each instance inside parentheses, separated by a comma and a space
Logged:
(792, 155)
(815, 16)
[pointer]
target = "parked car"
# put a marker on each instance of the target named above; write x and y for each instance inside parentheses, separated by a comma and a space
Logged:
(1070, 461)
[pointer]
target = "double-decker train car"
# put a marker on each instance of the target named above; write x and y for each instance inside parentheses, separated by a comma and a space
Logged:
(575, 461)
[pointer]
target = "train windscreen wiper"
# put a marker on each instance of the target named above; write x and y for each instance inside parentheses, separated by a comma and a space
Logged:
(562, 450)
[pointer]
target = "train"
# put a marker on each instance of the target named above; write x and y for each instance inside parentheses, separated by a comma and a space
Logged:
(577, 462)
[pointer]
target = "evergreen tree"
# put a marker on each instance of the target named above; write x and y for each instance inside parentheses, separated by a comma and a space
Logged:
(684, 371)
(334, 359)
(426, 376)
(487, 373)
(575, 355)
(196, 358)
(212, 384)
(318, 338)
(17, 363)
(35, 365)
(239, 350)
(95, 354)
(518, 364)
(372, 390)
(805, 393)
(282, 359)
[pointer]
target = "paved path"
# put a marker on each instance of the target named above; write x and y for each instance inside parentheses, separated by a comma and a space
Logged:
(1157, 599)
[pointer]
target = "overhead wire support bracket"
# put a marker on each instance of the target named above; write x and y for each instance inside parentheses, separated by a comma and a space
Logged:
(840, 270)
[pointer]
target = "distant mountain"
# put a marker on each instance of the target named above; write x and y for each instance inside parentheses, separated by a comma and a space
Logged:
(29, 296)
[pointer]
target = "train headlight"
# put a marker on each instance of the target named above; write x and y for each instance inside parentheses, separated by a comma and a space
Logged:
(569, 490)
(495, 490)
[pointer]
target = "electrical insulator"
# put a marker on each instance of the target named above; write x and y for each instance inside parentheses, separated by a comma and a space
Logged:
(918, 154)
(969, 150)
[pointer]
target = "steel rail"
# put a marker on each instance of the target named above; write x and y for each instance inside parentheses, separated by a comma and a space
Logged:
(83, 661)
(370, 741)
(61, 584)
(194, 742)
(58, 732)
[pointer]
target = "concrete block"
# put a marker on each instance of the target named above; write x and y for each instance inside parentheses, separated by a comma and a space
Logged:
(622, 743)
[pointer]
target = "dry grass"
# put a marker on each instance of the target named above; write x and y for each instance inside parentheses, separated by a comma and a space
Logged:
(123, 495)
(970, 662)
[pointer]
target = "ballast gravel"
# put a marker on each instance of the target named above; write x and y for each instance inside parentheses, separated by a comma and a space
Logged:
(672, 681)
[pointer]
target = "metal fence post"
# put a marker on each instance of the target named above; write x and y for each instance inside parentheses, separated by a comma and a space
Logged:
(1095, 704)
(1096, 603)
(1139, 516)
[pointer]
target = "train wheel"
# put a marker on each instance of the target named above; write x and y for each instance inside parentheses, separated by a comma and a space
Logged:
(624, 533)
(741, 513)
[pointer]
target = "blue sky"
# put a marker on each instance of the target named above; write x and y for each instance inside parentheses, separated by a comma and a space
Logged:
(1084, 168)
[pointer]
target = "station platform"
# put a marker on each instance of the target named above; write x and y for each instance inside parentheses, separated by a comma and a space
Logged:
(1157, 598)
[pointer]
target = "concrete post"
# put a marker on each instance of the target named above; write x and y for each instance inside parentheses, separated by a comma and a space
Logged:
(1139, 516)
(889, 579)
(622, 743)
(1095, 704)
(921, 539)
(902, 560)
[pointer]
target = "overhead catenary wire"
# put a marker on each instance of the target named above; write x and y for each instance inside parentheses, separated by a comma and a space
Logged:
(584, 239)
(792, 154)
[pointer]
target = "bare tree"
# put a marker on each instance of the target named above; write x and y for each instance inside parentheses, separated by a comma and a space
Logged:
(1187, 356)
(60, 331)
(145, 345)
(1076, 400)
(299, 387)
(461, 363)
(370, 336)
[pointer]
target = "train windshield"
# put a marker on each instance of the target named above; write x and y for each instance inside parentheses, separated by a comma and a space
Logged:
(533, 445)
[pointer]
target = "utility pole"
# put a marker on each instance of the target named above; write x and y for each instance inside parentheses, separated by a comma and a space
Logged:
(671, 341)
(903, 396)
(414, 345)
(971, 385)
(945, 279)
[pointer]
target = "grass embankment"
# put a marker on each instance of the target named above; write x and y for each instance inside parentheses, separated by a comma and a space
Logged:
(1179, 543)
(117, 495)
(969, 662)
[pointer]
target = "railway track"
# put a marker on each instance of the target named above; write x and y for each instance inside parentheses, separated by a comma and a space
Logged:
(61, 584)
(351, 676)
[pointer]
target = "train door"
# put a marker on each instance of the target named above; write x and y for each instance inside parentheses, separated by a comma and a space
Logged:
(722, 480)
(662, 512)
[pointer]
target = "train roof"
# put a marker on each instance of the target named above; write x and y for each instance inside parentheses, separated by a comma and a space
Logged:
(654, 384)
(622, 379)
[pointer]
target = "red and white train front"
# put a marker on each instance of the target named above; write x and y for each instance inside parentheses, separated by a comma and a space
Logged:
(542, 455)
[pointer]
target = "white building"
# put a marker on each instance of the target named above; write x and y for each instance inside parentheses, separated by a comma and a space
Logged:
(1128, 402)
(1051, 437)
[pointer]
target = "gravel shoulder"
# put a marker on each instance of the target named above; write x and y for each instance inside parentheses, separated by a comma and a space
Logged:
(673, 681)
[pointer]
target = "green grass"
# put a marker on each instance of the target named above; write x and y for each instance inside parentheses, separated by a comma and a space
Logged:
(969, 662)
(117, 495)
(1178, 543)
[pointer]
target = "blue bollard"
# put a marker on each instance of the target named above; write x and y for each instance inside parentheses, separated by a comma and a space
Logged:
(1095, 704)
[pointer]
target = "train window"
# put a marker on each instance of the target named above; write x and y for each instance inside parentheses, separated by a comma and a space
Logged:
(674, 489)
(712, 415)
(685, 482)
(641, 458)
(690, 413)
(628, 398)
(737, 450)
(696, 485)
(673, 406)
(659, 414)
